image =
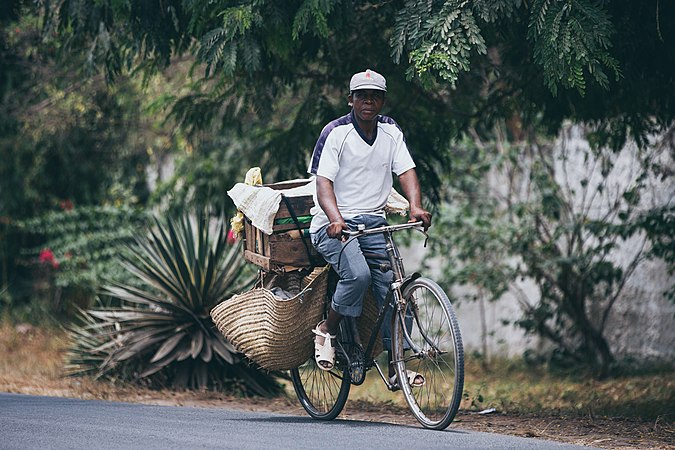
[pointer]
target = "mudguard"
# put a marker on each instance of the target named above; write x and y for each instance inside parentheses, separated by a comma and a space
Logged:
(409, 279)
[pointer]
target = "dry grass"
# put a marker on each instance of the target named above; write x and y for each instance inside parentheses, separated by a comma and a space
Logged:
(31, 362)
(515, 388)
(628, 412)
(31, 358)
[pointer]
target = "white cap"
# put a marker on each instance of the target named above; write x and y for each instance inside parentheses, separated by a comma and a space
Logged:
(368, 80)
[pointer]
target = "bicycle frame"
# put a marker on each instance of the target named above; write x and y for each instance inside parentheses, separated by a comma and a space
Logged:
(394, 299)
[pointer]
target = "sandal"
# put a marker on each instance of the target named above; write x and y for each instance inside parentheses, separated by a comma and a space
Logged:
(324, 353)
(414, 379)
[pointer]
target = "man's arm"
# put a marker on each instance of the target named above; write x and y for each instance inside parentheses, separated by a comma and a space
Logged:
(326, 197)
(412, 191)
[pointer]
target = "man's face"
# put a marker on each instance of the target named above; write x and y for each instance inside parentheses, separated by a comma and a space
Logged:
(367, 103)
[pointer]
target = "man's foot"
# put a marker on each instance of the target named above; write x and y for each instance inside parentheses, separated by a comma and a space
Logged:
(324, 351)
(414, 379)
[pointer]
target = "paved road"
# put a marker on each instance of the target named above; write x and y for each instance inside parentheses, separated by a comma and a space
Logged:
(30, 422)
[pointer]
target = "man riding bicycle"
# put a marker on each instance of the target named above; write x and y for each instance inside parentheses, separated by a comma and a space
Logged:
(353, 162)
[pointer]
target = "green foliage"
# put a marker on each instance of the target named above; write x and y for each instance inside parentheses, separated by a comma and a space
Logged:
(219, 48)
(53, 151)
(67, 141)
(564, 213)
(440, 36)
(202, 179)
(571, 41)
(86, 243)
(66, 257)
(162, 332)
(475, 228)
(503, 58)
(89, 348)
(658, 225)
(604, 62)
(312, 14)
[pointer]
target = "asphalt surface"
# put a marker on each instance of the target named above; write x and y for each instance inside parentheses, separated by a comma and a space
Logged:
(31, 422)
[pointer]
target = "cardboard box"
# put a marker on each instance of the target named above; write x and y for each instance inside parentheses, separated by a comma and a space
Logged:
(283, 250)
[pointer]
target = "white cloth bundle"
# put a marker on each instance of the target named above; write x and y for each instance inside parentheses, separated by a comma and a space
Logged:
(260, 203)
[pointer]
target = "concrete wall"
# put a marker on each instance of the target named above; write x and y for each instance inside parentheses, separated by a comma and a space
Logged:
(641, 324)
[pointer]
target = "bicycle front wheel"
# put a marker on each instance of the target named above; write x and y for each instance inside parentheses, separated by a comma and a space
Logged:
(322, 393)
(427, 340)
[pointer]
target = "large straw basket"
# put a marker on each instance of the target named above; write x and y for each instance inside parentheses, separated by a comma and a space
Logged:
(275, 333)
(366, 322)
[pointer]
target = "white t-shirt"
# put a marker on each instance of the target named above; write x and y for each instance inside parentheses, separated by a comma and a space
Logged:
(361, 171)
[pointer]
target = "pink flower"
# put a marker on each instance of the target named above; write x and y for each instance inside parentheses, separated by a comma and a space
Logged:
(66, 205)
(231, 237)
(47, 257)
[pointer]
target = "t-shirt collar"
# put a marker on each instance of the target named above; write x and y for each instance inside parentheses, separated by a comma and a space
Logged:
(360, 131)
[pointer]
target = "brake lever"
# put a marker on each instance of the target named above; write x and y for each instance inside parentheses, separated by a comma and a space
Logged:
(426, 235)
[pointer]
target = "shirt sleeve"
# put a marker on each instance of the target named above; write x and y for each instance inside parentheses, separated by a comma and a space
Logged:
(325, 162)
(401, 161)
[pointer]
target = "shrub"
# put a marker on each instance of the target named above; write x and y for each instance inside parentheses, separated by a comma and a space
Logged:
(162, 332)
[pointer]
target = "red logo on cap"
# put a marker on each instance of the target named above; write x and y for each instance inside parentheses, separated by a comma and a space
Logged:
(367, 74)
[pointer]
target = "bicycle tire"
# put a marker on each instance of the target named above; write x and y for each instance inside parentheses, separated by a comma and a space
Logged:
(436, 353)
(322, 393)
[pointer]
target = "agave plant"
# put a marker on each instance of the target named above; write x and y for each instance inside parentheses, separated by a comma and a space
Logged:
(162, 330)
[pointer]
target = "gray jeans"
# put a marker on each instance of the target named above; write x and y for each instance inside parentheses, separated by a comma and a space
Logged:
(355, 274)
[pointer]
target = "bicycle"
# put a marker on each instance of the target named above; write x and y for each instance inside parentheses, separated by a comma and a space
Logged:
(425, 338)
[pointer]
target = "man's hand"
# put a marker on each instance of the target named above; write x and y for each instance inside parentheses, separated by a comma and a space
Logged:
(417, 214)
(334, 229)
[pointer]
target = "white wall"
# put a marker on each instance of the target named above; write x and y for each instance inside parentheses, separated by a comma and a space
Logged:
(641, 324)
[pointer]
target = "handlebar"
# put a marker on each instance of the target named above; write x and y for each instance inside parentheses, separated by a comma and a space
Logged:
(404, 226)
(350, 235)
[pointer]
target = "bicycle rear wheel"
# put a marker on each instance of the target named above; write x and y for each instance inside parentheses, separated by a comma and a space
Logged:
(431, 345)
(322, 393)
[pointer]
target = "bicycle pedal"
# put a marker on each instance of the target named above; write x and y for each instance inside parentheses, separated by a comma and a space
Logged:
(357, 372)
(357, 366)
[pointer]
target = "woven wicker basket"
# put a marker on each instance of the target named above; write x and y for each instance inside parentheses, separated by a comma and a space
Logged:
(277, 333)
(366, 322)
